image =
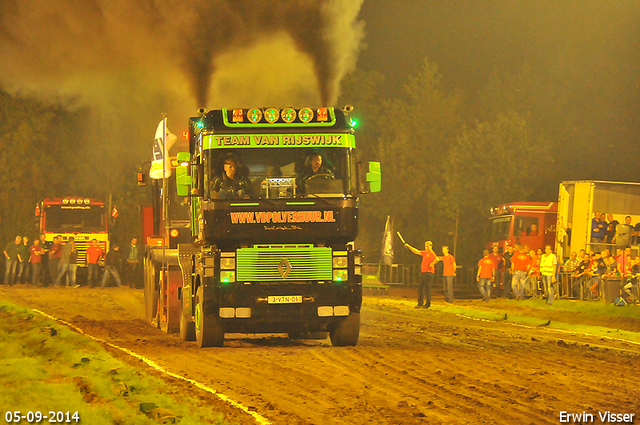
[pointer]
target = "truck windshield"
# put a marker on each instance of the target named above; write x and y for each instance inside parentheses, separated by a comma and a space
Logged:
(500, 227)
(278, 173)
(80, 219)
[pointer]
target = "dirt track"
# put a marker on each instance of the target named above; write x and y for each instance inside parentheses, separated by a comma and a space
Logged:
(410, 367)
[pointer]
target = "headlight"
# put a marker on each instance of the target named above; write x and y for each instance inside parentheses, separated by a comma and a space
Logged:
(227, 263)
(227, 276)
(339, 275)
(340, 262)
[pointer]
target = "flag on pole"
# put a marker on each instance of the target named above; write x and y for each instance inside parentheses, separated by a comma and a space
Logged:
(114, 212)
(387, 243)
(162, 143)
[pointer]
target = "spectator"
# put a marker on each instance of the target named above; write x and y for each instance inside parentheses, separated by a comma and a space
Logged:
(23, 256)
(597, 268)
(94, 253)
(548, 269)
(429, 259)
(112, 263)
(569, 269)
(610, 236)
(520, 265)
(36, 261)
(506, 275)
(55, 252)
(448, 273)
(486, 275)
(632, 279)
(623, 261)
(581, 273)
(11, 254)
(531, 283)
(623, 233)
(133, 262)
(68, 263)
(44, 258)
(498, 261)
(635, 234)
(597, 230)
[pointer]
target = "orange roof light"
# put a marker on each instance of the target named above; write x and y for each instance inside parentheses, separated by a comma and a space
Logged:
(237, 115)
(322, 114)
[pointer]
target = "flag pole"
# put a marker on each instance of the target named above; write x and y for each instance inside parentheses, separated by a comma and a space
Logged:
(165, 181)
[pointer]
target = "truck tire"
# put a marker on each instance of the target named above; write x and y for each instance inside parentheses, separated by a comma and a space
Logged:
(209, 332)
(346, 331)
(150, 290)
(187, 328)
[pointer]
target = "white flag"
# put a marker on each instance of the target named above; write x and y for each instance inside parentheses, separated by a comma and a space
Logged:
(164, 140)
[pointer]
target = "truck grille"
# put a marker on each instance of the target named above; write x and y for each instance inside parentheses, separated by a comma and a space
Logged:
(284, 263)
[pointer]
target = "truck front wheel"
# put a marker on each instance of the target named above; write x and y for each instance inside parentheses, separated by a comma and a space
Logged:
(187, 328)
(346, 331)
(150, 290)
(209, 332)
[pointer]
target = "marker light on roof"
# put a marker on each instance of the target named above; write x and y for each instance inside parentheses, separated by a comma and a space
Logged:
(87, 200)
(323, 114)
(306, 115)
(73, 201)
(65, 201)
(237, 115)
(288, 115)
(254, 115)
(271, 115)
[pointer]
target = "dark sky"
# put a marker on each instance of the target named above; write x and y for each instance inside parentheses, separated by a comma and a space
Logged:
(468, 39)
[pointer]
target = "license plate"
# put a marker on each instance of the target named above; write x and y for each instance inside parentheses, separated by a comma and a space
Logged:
(284, 299)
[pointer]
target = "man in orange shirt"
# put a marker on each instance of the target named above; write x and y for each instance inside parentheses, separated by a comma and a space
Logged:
(448, 273)
(486, 275)
(427, 269)
(94, 253)
(520, 265)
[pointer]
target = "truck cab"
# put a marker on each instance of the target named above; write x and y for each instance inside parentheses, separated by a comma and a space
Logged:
(528, 223)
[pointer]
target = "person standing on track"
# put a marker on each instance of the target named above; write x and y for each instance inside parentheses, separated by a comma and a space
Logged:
(486, 275)
(448, 273)
(429, 259)
(520, 265)
(548, 269)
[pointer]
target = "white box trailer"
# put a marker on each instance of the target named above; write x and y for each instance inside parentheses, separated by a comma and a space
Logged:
(579, 200)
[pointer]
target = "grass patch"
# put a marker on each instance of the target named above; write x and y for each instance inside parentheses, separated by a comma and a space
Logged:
(47, 367)
(594, 318)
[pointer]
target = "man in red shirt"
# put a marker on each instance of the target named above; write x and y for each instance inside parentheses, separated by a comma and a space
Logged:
(36, 261)
(448, 273)
(429, 259)
(520, 264)
(496, 257)
(486, 275)
(94, 253)
(55, 253)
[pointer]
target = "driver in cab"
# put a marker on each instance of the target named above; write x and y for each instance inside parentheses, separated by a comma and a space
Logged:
(231, 184)
(316, 168)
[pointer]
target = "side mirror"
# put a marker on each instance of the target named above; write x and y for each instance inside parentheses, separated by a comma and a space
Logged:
(374, 177)
(183, 178)
(371, 180)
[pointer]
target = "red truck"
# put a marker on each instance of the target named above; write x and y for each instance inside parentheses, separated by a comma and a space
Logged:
(529, 223)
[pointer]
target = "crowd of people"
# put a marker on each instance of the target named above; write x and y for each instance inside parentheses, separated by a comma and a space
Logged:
(55, 263)
(520, 272)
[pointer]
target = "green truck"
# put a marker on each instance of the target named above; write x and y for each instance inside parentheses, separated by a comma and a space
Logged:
(273, 198)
